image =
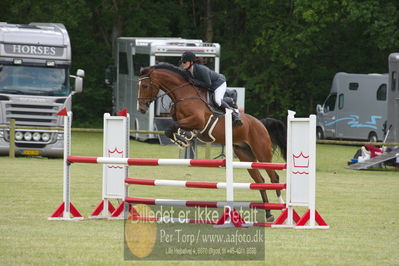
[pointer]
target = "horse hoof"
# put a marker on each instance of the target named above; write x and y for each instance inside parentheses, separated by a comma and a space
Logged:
(270, 218)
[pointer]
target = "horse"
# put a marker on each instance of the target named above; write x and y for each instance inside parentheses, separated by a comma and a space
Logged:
(191, 114)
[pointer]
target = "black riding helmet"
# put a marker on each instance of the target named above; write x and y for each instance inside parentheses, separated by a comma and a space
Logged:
(188, 57)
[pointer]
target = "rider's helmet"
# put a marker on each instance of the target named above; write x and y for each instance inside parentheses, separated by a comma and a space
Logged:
(188, 57)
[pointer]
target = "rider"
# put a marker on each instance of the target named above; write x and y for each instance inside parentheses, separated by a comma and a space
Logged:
(204, 77)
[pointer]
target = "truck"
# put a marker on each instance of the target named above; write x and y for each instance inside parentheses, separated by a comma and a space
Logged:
(35, 62)
(393, 100)
(355, 109)
(132, 53)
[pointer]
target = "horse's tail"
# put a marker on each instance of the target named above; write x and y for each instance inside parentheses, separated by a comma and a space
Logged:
(278, 134)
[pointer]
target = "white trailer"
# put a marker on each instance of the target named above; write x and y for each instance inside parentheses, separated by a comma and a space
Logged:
(131, 54)
(355, 109)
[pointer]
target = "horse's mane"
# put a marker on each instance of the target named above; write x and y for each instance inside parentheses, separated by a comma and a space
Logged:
(183, 73)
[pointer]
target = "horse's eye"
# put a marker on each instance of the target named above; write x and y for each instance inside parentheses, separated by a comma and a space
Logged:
(145, 86)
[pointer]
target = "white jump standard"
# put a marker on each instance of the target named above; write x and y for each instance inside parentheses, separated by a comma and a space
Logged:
(66, 210)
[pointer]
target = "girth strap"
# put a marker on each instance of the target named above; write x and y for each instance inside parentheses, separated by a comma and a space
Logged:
(205, 134)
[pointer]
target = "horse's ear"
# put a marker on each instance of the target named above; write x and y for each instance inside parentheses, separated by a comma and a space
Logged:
(143, 70)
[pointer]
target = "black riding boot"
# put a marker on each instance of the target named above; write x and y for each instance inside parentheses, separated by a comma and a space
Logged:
(235, 114)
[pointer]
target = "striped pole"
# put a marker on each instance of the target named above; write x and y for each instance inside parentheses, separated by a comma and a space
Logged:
(174, 162)
(207, 204)
(200, 184)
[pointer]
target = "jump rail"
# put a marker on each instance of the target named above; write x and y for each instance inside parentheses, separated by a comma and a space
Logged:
(200, 184)
(207, 204)
(174, 162)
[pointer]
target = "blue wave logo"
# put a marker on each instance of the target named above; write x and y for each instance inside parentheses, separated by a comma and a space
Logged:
(353, 121)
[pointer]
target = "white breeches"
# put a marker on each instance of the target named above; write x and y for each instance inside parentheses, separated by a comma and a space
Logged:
(219, 93)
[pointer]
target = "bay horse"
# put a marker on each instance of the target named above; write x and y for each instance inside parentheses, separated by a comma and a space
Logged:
(191, 112)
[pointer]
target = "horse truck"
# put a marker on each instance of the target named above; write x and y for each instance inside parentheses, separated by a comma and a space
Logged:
(389, 100)
(35, 61)
(393, 100)
(355, 109)
(132, 53)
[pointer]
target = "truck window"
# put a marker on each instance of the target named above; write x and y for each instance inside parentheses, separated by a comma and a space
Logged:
(139, 61)
(393, 83)
(329, 104)
(208, 61)
(382, 92)
(175, 60)
(123, 67)
(34, 80)
(353, 86)
(341, 101)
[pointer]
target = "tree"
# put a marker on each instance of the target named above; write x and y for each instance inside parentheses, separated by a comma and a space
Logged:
(285, 53)
(290, 50)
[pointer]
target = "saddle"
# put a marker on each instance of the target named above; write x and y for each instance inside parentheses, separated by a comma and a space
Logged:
(230, 97)
(184, 138)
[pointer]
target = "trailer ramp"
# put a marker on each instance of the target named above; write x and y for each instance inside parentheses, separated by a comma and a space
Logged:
(374, 161)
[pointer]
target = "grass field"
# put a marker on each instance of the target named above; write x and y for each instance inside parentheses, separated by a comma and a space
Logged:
(360, 207)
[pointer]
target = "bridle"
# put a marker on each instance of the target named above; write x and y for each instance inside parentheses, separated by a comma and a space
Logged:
(151, 84)
(163, 94)
(169, 92)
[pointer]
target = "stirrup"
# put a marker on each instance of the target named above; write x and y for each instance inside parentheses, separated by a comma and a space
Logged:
(237, 123)
(236, 119)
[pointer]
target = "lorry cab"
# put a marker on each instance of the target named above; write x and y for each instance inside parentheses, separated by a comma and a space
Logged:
(35, 62)
(355, 109)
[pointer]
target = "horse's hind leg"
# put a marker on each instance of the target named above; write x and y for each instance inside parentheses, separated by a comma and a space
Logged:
(275, 179)
(263, 152)
(245, 155)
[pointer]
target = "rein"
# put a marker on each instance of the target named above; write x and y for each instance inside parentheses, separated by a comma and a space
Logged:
(170, 91)
(192, 97)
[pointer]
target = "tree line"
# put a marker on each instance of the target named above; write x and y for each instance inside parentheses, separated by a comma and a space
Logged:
(284, 52)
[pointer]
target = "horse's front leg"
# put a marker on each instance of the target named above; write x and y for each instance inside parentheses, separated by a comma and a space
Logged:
(180, 136)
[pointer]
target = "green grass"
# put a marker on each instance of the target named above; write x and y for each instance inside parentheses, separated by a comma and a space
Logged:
(360, 207)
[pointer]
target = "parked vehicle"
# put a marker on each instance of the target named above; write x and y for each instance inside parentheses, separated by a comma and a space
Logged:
(393, 99)
(35, 60)
(355, 109)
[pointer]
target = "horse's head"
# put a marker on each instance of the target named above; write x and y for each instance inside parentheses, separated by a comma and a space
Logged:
(148, 90)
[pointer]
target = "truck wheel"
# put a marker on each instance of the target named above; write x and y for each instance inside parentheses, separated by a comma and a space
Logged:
(373, 137)
(319, 133)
